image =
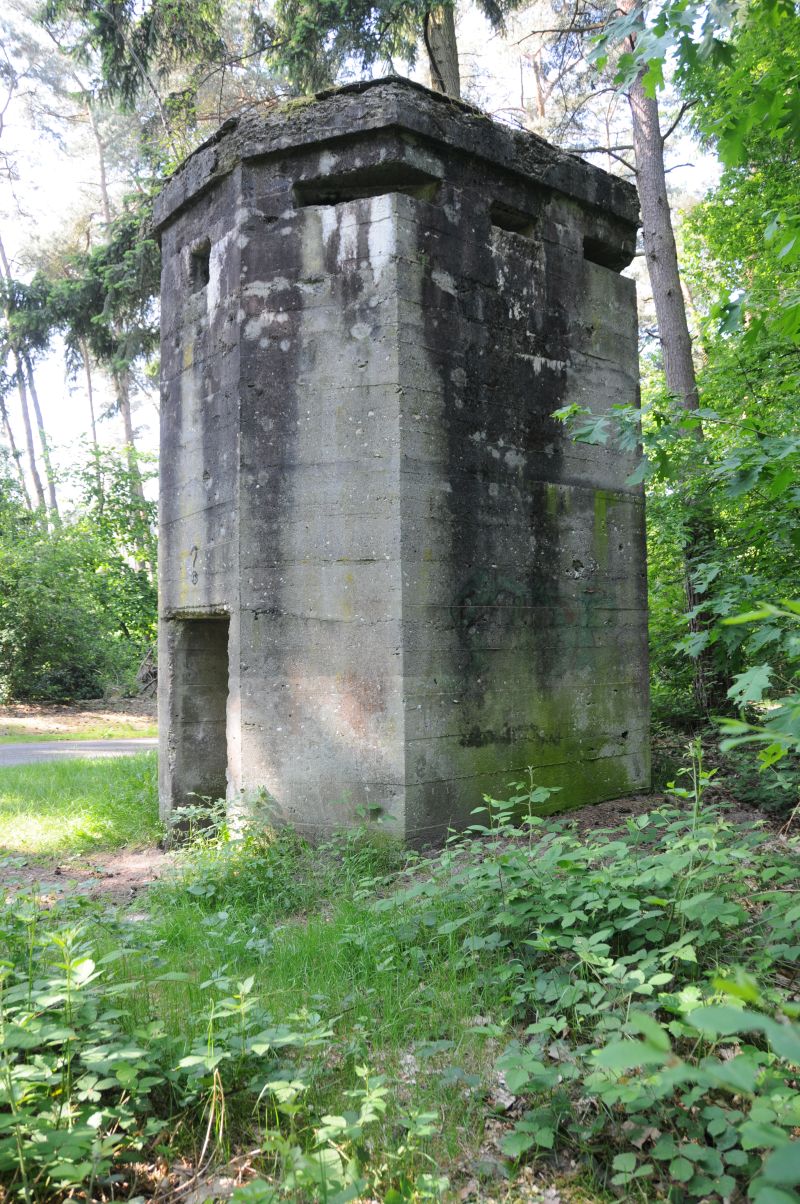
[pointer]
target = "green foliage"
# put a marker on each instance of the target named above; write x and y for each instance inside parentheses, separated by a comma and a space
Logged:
(777, 730)
(615, 957)
(269, 873)
(748, 1101)
(327, 1161)
(13, 516)
(313, 41)
(25, 317)
(105, 297)
(83, 1087)
(106, 728)
(745, 469)
(312, 44)
(742, 64)
(631, 990)
(57, 639)
(94, 1072)
(130, 44)
(76, 613)
(102, 299)
(309, 45)
(737, 67)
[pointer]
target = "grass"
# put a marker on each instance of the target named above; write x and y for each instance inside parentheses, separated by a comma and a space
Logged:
(100, 731)
(62, 808)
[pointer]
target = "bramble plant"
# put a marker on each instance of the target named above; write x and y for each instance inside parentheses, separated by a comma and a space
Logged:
(633, 1048)
(778, 731)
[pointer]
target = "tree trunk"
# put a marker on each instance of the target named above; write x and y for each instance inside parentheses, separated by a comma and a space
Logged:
(26, 418)
(124, 401)
(676, 343)
(15, 454)
(541, 107)
(48, 466)
(439, 30)
(87, 368)
(660, 250)
(136, 488)
(101, 162)
(5, 269)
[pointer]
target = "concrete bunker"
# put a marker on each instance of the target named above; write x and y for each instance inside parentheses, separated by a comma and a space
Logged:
(388, 578)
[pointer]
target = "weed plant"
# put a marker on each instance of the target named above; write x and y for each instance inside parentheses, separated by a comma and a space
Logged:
(351, 1016)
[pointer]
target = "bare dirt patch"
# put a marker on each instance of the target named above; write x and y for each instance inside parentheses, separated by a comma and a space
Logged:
(72, 721)
(115, 877)
(613, 815)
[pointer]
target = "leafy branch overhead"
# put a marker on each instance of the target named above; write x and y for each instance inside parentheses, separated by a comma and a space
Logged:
(307, 46)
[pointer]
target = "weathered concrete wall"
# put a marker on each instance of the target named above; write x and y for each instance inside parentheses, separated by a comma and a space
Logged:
(371, 306)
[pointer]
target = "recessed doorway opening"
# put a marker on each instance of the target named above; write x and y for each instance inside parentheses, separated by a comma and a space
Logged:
(200, 667)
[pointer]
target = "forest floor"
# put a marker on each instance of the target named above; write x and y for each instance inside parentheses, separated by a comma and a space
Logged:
(118, 875)
(98, 719)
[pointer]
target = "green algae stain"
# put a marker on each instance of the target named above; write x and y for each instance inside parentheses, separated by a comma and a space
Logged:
(551, 498)
(572, 735)
(601, 503)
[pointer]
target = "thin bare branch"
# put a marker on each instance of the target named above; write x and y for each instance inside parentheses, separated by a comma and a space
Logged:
(688, 104)
(568, 29)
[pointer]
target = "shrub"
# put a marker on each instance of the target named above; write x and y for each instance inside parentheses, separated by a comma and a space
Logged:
(77, 611)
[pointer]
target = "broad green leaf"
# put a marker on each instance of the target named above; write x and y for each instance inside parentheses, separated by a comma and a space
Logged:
(681, 1169)
(755, 1136)
(650, 1029)
(751, 685)
(517, 1143)
(627, 1055)
(783, 1166)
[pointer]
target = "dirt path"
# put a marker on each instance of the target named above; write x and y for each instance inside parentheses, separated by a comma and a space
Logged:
(58, 750)
(115, 877)
(99, 718)
(615, 813)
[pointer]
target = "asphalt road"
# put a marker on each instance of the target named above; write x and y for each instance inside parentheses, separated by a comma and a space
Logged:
(59, 750)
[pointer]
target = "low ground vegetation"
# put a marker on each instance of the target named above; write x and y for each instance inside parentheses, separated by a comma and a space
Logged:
(615, 1012)
(100, 731)
(738, 774)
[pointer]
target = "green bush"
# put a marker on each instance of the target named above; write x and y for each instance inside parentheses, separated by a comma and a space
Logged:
(59, 636)
(83, 1086)
(77, 598)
